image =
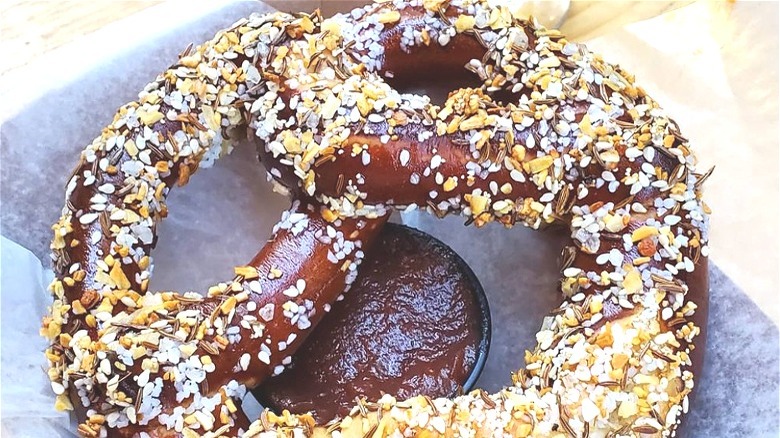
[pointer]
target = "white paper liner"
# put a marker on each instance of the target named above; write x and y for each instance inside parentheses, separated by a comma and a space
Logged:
(710, 66)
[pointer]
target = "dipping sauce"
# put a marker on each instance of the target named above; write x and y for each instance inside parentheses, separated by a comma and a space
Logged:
(415, 322)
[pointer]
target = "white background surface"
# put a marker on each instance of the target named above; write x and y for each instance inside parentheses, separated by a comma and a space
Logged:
(713, 67)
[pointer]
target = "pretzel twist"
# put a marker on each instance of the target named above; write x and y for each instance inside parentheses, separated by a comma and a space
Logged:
(576, 143)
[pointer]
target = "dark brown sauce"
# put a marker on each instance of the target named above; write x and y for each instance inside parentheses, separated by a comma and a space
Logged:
(415, 322)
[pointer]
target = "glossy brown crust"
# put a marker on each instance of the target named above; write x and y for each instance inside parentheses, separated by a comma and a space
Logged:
(699, 293)
(412, 324)
(422, 67)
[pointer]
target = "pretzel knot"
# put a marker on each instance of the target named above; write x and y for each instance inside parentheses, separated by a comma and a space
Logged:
(543, 131)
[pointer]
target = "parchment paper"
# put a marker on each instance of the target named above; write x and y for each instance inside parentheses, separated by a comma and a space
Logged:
(714, 67)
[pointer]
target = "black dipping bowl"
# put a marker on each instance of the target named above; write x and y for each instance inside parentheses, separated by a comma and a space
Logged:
(413, 295)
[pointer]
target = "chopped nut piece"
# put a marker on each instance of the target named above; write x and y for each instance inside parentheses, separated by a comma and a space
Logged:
(643, 232)
(478, 204)
(89, 298)
(119, 277)
(539, 164)
(464, 22)
(632, 283)
(228, 305)
(450, 184)
(389, 17)
(646, 247)
(247, 272)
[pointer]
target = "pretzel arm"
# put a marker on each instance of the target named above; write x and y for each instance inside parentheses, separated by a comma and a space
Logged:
(618, 355)
(166, 364)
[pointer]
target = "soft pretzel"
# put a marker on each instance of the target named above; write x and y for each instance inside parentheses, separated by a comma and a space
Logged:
(552, 135)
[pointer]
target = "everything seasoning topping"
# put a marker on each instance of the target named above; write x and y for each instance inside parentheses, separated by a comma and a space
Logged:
(577, 143)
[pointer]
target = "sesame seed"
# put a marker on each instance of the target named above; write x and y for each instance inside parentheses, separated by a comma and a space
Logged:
(404, 157)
